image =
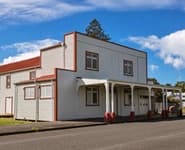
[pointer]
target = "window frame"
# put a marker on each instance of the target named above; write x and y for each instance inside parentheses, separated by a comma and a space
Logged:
(126, 65)
(98, 98)
(31, 75)
(32, 98)
(8, 81)
(91, 60)
(45, 98)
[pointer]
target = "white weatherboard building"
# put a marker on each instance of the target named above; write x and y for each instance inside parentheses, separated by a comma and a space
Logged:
(81, 77)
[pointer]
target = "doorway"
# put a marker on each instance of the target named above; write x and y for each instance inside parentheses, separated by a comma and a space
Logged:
(143, 104)
(8, 105)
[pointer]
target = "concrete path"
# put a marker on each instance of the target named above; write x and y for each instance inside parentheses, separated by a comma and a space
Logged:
(44, 126)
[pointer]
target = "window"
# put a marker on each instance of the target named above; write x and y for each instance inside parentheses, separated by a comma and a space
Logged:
(32, 75)
(46, 92)
(128, 67)
(92, 96)
(92, 61)
(127, 99)
(8, 81)
(29, 93)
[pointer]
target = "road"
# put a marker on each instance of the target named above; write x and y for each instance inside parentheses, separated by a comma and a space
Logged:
(165, 135)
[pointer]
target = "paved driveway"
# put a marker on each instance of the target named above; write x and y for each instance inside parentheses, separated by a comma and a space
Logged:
(165, 135)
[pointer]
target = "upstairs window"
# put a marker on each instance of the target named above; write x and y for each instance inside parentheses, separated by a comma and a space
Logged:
(8, 81)
(92, 61)
(128, 67)
(92, 96)
(32, 75)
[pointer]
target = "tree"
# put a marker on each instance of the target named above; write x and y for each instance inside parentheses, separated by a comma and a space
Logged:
(95, 30)
(181, 84)
(155, 82)
(168, 84)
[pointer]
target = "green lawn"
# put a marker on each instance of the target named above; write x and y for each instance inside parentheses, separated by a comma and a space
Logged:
(11, 121)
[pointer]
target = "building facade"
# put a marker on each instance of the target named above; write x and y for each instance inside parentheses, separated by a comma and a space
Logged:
(81, 77)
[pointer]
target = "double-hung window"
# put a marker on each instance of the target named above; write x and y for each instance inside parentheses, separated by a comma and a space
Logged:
(128, 67)
(92, 96)
(32, 75)
(29, 93)
(8, 81)
(92, 61)
(46, 92)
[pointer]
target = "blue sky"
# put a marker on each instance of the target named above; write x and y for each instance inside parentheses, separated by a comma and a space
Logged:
(155, 26)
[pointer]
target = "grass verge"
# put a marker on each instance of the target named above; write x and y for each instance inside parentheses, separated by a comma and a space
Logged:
(11, 121)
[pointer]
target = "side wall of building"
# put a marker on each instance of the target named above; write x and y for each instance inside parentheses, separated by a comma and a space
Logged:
(28, 109)
(10, 92)
(72, 101)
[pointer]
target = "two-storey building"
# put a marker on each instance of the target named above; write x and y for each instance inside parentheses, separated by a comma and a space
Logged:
(81, 77)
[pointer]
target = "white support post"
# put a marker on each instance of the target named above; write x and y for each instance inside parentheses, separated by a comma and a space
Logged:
(107, 97)
(149, 103)
(166, 99)
(149, 99)
(181, 105)
(132, 113)
(112, 97)
(132, 98)
(163, 102)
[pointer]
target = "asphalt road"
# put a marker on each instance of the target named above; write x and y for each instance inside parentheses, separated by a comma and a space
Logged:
(165, 135)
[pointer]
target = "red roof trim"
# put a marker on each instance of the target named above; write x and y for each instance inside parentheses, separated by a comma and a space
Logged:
(39, 79)
(20, 65)
(46, 77)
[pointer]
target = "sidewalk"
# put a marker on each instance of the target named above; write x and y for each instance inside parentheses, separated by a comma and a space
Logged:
(45, 126)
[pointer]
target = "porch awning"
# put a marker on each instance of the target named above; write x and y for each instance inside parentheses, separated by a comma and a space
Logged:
(88, 81)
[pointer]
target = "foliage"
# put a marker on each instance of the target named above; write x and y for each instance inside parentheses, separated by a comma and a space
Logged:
(181, 84)
(159, 95)
(94, 29)
(168, 84)
(154, 81)
(173, 99)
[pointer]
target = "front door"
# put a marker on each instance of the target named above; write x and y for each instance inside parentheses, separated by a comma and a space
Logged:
(143, 104)
(8, 105)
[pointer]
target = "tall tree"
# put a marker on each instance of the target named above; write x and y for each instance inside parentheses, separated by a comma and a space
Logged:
(181, 84)
(94, 29)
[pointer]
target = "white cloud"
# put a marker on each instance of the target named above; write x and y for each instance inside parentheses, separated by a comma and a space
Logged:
(21, 11)
(14, 11)
(153, 68)
(170, 48)
(19, 57)
(26, 50)
(137, 4)
(30, 46)
(152, 42)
